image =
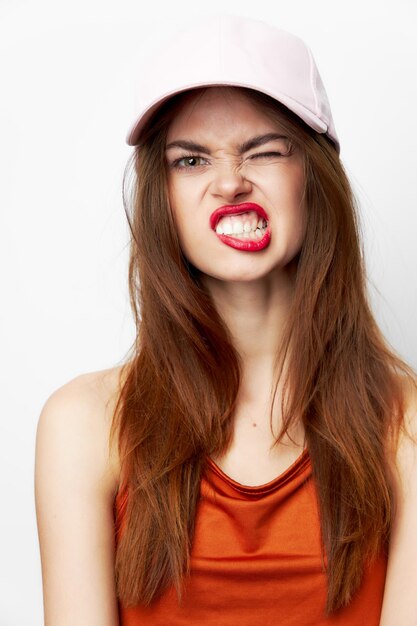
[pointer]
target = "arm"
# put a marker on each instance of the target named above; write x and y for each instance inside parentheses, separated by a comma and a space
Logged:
(400, 596)
(74, 490)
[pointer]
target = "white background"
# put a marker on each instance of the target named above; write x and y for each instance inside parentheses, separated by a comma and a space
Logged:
(67, 84)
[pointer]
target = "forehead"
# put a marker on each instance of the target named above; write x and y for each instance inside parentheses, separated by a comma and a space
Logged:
(219, 110)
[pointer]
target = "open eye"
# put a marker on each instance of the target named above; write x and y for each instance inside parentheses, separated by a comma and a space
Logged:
(177, 164)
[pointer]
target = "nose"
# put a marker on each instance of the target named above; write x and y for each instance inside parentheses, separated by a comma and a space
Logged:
(229, 182)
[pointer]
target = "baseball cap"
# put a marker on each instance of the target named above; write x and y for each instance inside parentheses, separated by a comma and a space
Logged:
(233, 50)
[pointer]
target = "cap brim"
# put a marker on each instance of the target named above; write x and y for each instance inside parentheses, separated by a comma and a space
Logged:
(305, 114)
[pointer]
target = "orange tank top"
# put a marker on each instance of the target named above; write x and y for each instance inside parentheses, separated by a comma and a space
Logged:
(256, 560)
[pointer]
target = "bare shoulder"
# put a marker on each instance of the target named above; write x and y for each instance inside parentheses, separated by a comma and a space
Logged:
(400, 600)
(84, 406)
(76, 478)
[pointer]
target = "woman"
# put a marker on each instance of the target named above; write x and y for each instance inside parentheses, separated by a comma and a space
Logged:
(261, 466)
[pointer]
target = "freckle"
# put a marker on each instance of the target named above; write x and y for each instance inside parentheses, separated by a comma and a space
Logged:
(253, 424)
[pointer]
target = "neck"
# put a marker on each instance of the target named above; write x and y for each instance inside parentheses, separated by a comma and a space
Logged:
(255, 313)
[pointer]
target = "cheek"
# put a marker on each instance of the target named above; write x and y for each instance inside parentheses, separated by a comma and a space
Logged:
(290, 195)
(172, 194)
(288, 188)
(299, 210)
(180, 198)
(176, 204)
(185, 202)
(181, 211)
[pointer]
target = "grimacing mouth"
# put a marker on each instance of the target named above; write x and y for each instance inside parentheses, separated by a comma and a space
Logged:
(219, 217)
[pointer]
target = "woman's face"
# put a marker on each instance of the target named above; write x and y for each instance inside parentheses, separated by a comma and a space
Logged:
(222, 172)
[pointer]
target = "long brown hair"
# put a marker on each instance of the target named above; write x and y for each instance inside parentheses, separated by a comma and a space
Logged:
(183, 373)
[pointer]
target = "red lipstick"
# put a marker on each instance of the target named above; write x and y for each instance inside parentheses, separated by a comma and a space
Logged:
(249, 245)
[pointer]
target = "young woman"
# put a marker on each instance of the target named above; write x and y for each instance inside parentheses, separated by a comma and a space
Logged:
(262, 467)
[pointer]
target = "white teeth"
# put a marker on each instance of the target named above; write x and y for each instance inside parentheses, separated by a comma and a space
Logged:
(227, 227)
(244, 234)
(250, 226)
(237, 228)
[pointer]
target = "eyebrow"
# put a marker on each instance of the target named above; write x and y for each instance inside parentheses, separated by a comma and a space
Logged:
(253, 142)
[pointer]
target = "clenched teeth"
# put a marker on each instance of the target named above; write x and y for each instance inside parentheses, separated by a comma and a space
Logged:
(246, 225)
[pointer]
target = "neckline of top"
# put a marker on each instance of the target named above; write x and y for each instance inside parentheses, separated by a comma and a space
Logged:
(296, 466)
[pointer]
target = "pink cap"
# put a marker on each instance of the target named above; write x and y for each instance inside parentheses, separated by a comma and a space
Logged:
(238, 51)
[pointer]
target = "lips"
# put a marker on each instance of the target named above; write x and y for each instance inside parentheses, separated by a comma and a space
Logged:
(236, 209)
